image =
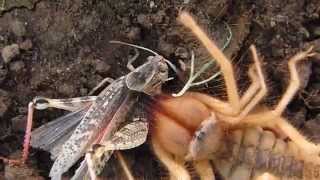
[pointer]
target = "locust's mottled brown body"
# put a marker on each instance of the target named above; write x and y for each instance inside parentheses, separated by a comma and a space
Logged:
(96, 121)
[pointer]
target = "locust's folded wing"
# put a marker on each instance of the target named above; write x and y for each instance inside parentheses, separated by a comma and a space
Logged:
(51, 136)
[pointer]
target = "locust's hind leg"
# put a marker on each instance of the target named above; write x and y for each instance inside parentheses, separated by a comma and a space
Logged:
(41, 103)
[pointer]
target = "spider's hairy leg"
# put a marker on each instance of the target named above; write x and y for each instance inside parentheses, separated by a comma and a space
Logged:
(291, 90)
(267, 176)
(253, 95)
(256, 97)
(233, 106)
(176, 169)
(124, 165)
(257, 81)
(273, 118)
(294, 80)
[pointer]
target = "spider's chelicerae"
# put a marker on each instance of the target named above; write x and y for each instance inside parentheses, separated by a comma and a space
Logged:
(231, 138)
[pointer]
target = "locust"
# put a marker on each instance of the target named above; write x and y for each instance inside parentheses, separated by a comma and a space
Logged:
(96, 125)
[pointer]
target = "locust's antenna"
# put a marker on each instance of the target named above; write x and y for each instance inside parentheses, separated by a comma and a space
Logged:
(136, 46)
(174, 68)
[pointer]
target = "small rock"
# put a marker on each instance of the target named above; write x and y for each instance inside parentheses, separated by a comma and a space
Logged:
(26, 45)
(126, 21)
(3, 108)
(17, 66)
(5, 102)
(21, 172)
(19, 123)
(66, 89)
(165, 48)
(9, 52)
(102, 67)
(159, 17)
(134, 33)
(3, 72)
(152, 4)
(144, 20)
(182, 52)
(84, 91)
(18, 28)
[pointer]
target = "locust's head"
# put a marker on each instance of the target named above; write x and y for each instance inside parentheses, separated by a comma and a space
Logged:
(149, 77)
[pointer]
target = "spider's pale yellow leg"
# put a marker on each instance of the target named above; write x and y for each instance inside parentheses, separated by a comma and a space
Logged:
(251, 97)
(307, 147)
(233, 107)
(267, 176)
(248, 103)
(289, 93)
(124, 165)
(175, 168)
(204, 170)
(273, 118)
(253, 88)
(294, 80)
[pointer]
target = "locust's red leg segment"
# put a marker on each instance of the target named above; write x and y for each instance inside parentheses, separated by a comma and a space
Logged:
(27, 137)
(26, 143)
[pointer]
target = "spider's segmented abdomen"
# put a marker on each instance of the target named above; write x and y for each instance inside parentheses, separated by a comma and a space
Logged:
(248, 153)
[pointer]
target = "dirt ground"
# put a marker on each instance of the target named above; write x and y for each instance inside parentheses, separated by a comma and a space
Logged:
(60, 49)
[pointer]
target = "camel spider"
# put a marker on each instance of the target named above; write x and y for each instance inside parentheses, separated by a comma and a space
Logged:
(202, 129)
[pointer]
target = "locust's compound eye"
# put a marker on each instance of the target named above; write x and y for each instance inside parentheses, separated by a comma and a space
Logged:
(40, 103)
(163, 68)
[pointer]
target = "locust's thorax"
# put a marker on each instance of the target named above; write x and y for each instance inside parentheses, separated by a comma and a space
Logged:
(149, 77)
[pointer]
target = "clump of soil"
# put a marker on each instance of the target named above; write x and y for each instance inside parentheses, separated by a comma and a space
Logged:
(60, 49)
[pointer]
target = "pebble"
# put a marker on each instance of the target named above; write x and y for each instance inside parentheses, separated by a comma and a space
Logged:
(9, 52)
(101, 66)
(5, 102)
(3, 72)
(18, 28)
(134, 33)
(165, 48)
(144, 20)
(21, 172)
(26, 45)
(182, 53)
(66, 89)
(16, 66)
(19, 123)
